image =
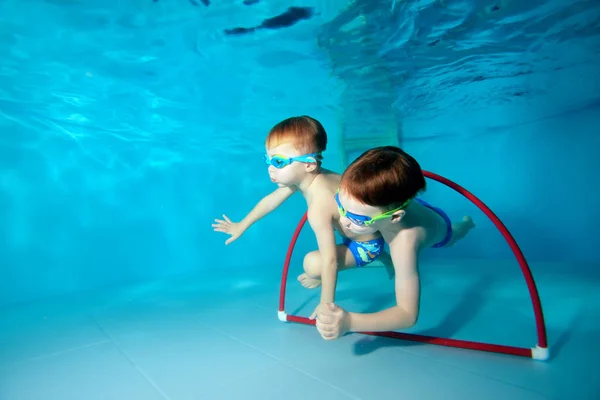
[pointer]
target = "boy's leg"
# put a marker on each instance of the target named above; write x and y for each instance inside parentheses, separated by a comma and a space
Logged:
(460, 230)
(311, 278)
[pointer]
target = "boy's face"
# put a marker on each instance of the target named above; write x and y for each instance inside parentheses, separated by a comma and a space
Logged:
(351, 205)
(291, 174)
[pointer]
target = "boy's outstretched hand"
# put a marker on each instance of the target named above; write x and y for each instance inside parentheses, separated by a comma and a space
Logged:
(234, 229)
(333, 321)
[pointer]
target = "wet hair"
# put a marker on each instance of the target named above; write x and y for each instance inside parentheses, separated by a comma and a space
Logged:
(383, 177)
(304, 132)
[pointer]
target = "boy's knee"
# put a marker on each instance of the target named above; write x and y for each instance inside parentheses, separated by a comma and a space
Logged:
(312, 263)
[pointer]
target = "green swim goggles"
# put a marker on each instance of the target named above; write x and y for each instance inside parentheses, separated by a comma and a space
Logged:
(363, 220)
(279, 161)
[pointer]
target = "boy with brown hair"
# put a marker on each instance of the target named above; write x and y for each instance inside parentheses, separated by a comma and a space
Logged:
(378, 194)
(293, 154)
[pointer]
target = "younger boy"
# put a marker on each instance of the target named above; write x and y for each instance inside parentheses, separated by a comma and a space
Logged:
(294, 148)
(378, 194)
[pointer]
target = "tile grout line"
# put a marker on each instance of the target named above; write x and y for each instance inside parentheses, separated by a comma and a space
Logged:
(274, 357)
(135, 365)
(281, 361)
(289, 365)
(56, 353)
(448, 364)
(403, 350)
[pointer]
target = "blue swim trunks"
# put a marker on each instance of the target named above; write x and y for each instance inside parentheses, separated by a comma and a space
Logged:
(442, 214)
(364, 252)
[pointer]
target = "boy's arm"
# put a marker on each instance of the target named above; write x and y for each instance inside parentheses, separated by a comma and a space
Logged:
(262, 208)
(320, 220)
(267, 204)
(407, 285)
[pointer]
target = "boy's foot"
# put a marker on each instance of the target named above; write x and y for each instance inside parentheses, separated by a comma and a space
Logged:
(465, 226)
(460, 230)
(469, 221)
(308, 282)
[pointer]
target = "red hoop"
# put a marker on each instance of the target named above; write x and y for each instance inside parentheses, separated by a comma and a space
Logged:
(539, 352)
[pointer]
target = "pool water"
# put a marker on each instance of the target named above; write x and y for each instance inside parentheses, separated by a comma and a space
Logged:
(128, 126)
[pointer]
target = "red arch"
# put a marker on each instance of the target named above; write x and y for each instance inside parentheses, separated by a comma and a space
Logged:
(539, 352)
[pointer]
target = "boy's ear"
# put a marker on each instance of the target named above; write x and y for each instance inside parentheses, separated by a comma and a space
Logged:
(397, 216)
(310, 167)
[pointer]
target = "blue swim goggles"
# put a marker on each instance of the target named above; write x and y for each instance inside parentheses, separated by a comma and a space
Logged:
(279, 161)
(363, 220)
